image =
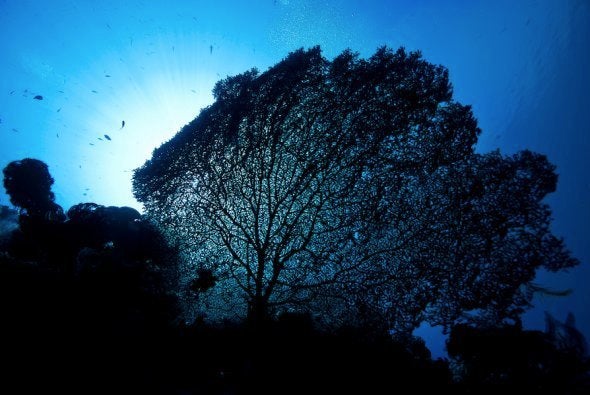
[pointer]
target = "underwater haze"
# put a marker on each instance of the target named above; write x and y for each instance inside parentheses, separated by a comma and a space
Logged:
(91, 88)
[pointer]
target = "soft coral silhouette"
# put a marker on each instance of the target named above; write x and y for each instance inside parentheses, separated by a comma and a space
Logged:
(28, 183)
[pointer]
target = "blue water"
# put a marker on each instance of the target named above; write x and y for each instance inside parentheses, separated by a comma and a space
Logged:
(522, 65)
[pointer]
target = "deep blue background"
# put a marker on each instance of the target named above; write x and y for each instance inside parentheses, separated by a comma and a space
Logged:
(523, 65)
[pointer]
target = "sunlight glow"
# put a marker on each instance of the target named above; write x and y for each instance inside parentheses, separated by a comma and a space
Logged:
(155, 92)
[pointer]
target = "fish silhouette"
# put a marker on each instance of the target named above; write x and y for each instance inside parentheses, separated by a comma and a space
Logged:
(38, 97)
(106, 136)
(122, 124)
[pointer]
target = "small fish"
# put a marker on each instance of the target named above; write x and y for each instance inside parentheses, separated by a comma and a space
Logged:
(61, 91)
(100, 138)
(94, 91)
(57, 135)
(59, 109)
(194, 91)
(91, 143)
(11, 92)
(15, 130)
(106, 136)
(210, 49)
(38, 97)
(107, 75)
(122, 124)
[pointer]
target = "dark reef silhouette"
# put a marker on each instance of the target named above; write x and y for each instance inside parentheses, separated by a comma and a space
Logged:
(84, 309)
(88, 304)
